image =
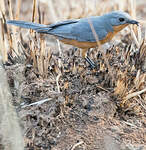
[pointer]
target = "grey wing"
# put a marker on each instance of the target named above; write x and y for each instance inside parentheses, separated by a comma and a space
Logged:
(80, 30)
(56, 28)
(62, 23)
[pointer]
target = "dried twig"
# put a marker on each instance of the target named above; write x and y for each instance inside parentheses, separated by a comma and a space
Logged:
(37, 103)
(18, 9)
(135, 94)
(134, 38)
(57, 82)
(59, 48)
(77, 144)
(130, 124)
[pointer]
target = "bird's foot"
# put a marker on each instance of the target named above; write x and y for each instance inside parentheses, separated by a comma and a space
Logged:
(91, 63)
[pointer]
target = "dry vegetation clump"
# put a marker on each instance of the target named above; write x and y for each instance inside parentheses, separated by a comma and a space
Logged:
(62, 103)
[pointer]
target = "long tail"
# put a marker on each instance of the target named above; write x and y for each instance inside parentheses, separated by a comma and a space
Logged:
(28, 25)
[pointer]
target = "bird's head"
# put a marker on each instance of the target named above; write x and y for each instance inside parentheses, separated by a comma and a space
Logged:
(119, 18)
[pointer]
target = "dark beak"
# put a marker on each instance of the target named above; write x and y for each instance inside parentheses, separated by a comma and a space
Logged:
(133, 22)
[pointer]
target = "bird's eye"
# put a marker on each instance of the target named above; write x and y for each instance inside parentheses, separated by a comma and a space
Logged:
(121, 19)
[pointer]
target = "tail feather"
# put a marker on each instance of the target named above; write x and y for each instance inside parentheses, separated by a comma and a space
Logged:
(28, 25)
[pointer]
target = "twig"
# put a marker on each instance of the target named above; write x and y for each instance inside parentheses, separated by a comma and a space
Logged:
(134, 38)
(37, 103)
(34, 13)
(18, 9)
(57, 82)
(130, 124)
(135, 94)
(59, 48)
(139, 34)
(77, 144)
(102, 88)
(140, 102)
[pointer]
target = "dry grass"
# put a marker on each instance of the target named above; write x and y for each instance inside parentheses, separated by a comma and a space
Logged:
(40, 54)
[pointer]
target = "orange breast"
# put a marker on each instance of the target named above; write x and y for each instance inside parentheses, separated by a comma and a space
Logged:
(83, 45)
(86, 45)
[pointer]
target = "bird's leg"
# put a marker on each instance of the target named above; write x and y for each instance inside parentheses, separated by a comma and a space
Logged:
(84, 55)
(91, 63)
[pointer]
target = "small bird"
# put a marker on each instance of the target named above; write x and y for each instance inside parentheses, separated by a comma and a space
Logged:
(79, 33)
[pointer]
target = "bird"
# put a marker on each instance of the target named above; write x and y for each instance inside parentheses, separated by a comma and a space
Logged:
(79, 32)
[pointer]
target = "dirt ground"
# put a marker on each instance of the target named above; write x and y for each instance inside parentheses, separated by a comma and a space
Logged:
(83, 115)
(74, 107)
